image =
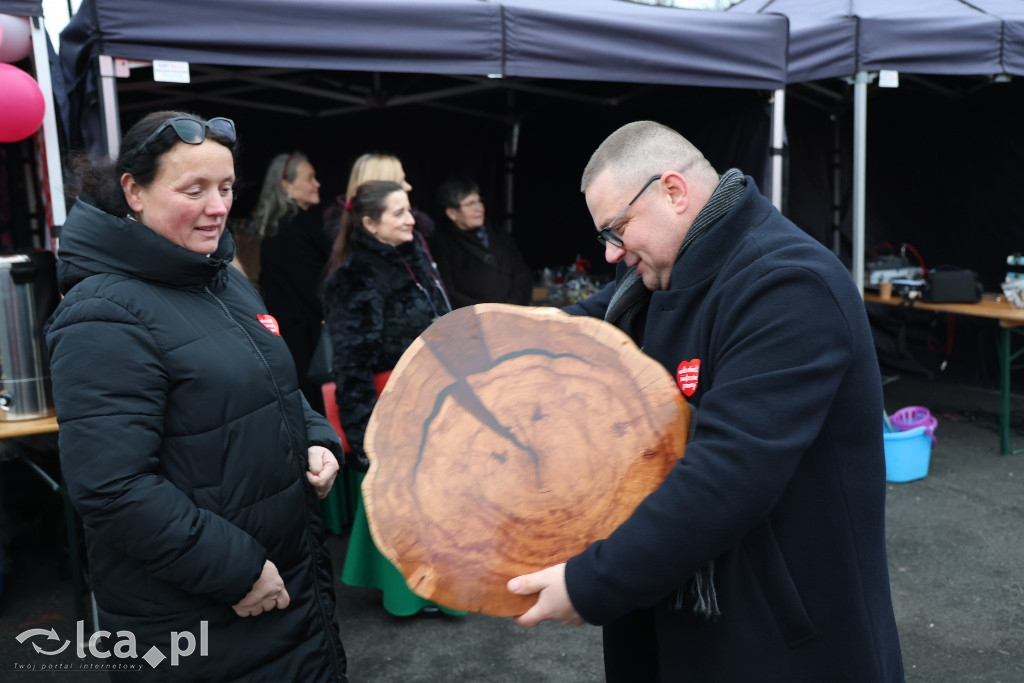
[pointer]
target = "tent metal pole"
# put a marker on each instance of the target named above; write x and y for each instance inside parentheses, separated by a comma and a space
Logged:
(51, 142)
(108, 105)
(837, 189)
(511, 137)
(860, 120)
(778, 127)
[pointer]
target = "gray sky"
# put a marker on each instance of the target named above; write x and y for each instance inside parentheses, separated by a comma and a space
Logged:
(55, 14)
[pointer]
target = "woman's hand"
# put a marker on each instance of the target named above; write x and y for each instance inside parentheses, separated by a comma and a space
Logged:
(266, 594)
(323, 470)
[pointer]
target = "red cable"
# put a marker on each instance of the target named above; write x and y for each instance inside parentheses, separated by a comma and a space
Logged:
(917, 255)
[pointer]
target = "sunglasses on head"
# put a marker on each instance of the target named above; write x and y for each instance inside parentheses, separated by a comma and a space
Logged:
(193, 131)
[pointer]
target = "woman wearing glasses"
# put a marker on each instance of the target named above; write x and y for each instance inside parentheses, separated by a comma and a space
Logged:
(187, 448)
(477, 263)
(380, 294)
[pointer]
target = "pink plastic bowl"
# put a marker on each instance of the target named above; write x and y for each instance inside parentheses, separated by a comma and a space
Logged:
(915, 416)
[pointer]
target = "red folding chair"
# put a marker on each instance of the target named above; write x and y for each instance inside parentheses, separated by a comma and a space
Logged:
(328, 390)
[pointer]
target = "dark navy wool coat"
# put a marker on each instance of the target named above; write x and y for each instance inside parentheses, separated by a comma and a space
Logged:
(474, 274)
(782, 483)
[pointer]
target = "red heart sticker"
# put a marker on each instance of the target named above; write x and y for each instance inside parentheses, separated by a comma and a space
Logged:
(268, 321)
(686, 376)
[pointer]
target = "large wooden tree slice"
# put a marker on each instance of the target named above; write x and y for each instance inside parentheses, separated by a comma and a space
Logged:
(508, 439)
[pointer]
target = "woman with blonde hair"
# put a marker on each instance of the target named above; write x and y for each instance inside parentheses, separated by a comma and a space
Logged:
(376, 166)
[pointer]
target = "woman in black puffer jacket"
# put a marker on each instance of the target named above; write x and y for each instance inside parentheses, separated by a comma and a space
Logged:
(185, 442)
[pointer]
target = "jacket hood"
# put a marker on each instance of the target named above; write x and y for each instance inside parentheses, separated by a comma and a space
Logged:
(94, 242)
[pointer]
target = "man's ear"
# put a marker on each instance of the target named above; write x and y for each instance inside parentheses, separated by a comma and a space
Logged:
(678, 190)
(132, 192)
(451, 213)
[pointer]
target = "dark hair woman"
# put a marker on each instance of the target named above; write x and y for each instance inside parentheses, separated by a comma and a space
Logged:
(186, 445)
(381, 293)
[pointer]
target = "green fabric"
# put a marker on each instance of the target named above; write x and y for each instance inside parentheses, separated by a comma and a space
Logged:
(366, 566)
(339, 507)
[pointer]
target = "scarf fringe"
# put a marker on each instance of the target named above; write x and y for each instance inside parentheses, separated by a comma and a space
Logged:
(702, 591)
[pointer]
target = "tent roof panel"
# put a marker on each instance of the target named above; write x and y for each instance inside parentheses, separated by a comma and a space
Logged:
(611, 40)
(357, 35)
(831, 38)
(22, 8)
(601, 40)
(952, 44)
(1012, 14)
(822, 36)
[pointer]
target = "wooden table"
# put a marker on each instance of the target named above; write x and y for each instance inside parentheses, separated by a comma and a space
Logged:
(1010, 319)
(41, 425)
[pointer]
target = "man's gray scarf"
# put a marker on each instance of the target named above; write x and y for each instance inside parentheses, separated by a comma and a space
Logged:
(625, 311)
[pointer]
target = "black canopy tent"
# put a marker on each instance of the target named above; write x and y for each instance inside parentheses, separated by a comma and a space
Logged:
(941, 168)
(606, 40)
(22, 8)
(612, 40)
(506, 51)
(1012, 14)
(856, 39)
(473, 70)
(837, 38)
(589, 41)
(538, 82)
(363, 35)
(597, 40)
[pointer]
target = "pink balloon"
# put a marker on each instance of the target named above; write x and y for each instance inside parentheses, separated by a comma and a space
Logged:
(15, 38)
(21, 104)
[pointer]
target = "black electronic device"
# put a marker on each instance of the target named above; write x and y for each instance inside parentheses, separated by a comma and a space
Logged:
(890, 267)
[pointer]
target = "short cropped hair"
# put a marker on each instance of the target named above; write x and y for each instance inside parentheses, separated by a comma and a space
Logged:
(641, 149)
(453, 190)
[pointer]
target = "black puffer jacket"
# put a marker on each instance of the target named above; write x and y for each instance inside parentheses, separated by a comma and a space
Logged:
(183, 439)
(375, 305)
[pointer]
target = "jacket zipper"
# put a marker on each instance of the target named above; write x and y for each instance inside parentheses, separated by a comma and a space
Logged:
(314, 547)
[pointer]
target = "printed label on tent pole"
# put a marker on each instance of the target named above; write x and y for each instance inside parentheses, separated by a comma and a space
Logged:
(687, 375)
(167, 71)
(268, 321)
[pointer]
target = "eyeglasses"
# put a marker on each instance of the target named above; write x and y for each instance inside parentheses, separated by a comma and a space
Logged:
(193, 131)
(471, 203)
(605, 235)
